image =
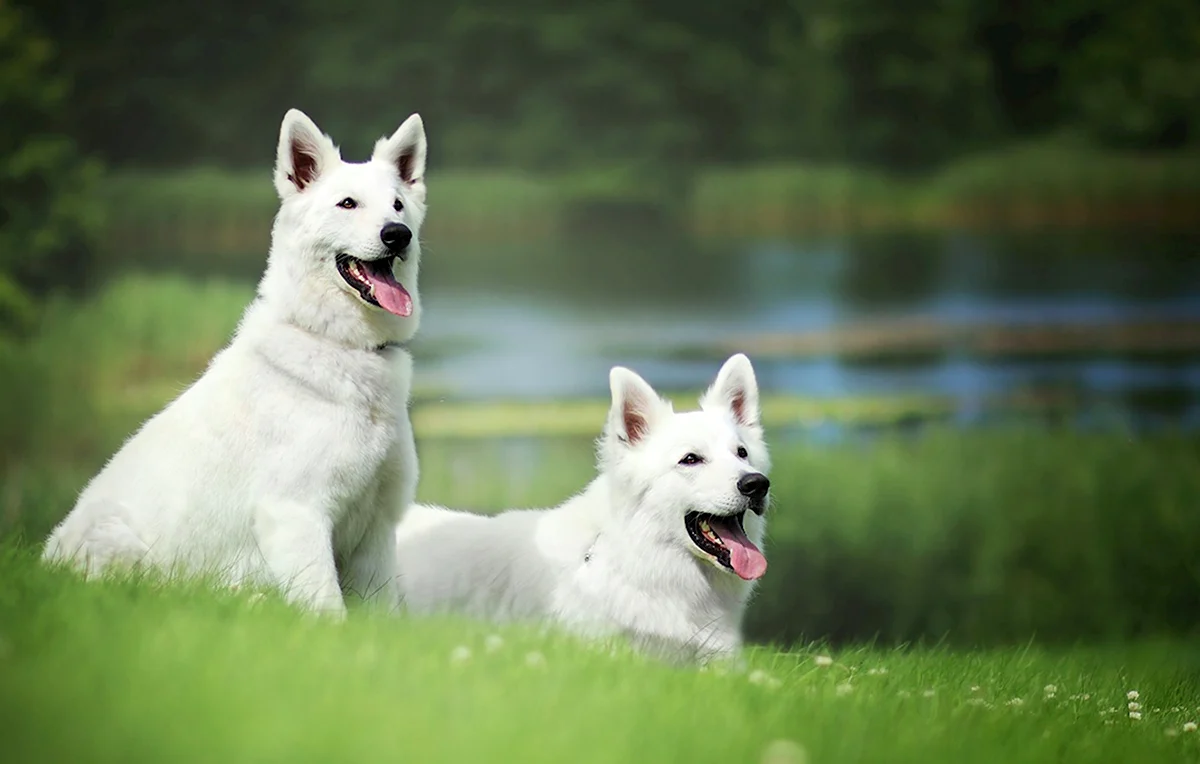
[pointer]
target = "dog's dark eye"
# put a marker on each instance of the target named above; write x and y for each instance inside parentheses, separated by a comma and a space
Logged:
(398, 205)
(691, 459)
(742, 452)
(347, 203)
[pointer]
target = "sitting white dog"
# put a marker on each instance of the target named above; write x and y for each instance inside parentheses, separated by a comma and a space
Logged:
(289, 461)
(663, 547)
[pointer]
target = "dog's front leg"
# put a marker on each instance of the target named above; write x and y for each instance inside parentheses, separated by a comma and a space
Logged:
(372, 570)
(296, 542)
(370, 573)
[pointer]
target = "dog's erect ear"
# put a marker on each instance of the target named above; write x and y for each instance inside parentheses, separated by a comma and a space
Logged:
(304, 153)
(635, 406)
(736, 390)
(405, 150)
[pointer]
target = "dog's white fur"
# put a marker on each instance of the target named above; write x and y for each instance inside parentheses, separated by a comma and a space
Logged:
(289, 461)
(615, 559)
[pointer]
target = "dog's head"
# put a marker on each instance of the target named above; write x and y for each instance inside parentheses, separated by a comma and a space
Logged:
(698, 478)
(345, 247)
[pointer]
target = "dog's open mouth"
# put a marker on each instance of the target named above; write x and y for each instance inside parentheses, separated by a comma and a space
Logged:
(375, 283)
(723, 538)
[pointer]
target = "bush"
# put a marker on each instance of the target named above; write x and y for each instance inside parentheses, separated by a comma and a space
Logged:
(984, 537)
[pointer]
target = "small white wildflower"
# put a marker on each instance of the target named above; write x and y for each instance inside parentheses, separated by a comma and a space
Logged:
(845, 688)
(876, 672)
(975, 688)
(1135, 715)
(1087, 696)
(1189, 726)
(1176, 709)
(1014, 702)
(1050, 689)
(784, 752)
(493, 642)
(929, 693)
(1132, 695)
(460, 655)
(1135, 706)
(535, 659)
(823, 660)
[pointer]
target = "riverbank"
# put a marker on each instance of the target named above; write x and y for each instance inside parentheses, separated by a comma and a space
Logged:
(221, 215)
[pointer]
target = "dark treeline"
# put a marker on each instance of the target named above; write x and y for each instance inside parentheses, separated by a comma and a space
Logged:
(627, 83)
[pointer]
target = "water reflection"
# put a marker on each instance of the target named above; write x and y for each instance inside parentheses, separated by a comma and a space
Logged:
(550, 321)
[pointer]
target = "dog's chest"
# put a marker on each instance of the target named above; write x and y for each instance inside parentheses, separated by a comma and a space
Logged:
(363, 452)
(371, 472)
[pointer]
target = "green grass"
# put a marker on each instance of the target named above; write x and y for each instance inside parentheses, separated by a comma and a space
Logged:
(137, 670)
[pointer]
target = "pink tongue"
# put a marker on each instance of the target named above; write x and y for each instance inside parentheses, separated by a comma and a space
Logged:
(744, 557)
(389, 294)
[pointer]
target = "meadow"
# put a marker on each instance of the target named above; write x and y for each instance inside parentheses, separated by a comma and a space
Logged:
(136, 670)
(949, 595)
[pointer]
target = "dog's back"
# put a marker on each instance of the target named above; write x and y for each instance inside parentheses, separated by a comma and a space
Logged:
(502, 568)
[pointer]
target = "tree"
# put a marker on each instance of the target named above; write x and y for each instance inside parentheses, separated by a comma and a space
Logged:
(1135, 81)
(47, 212)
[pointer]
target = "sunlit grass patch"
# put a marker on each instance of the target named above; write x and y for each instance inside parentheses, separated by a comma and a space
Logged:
(139, 670)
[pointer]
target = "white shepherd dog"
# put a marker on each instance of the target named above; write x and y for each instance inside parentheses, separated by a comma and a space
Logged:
(289, 461)
(663, 547)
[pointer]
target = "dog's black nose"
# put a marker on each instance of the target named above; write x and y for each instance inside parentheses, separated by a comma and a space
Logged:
(754, 485)
(395, 236)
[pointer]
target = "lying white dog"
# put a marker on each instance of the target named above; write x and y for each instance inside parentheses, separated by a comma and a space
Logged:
(289, 461)
(663, 547)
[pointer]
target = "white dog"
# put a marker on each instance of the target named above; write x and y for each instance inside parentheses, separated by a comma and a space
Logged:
(663, 547)
(289, 461)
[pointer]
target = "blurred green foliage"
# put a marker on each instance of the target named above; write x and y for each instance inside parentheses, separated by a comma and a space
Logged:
(652, 88)
(996, 535)
(47, 206)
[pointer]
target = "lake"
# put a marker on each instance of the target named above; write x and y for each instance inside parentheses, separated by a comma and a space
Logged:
(549, 320)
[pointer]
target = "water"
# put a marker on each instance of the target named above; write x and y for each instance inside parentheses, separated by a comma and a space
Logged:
(549, 321)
